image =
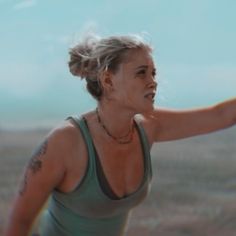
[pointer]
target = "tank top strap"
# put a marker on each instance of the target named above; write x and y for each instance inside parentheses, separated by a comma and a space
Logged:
(81, 124)
(145, 145)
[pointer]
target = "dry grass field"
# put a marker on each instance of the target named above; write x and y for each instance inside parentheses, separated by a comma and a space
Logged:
(193, 191)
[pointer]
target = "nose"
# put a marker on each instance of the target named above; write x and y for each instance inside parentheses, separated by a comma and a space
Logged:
(152, 84)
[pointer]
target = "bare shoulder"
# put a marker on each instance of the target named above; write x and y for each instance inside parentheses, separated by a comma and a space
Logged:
(149, 123)
(58, 143)
(158, 122)
(164, 124)
(50, 160)
(65, 135)
(64, 141)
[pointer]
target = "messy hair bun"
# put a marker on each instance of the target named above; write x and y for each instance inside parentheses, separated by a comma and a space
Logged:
(93, 55)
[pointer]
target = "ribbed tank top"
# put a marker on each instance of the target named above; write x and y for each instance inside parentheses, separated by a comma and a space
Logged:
(87, 210)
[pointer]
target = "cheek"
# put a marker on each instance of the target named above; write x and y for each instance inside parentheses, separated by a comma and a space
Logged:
(132, 97)
(129, 98)
(125, 96)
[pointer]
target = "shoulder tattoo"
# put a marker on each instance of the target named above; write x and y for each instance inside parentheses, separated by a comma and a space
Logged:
(34, 165)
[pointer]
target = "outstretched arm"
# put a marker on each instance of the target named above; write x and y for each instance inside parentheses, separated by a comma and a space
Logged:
(166, 125)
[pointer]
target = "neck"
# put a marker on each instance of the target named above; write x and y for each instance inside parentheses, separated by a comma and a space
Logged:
(117, 120)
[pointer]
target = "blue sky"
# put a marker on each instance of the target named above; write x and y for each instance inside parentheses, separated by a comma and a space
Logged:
(194, 43)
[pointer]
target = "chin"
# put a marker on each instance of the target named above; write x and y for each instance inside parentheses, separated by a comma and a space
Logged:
(146, 109)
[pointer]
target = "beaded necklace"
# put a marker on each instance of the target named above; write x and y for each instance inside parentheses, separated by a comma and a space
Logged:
(125, 139)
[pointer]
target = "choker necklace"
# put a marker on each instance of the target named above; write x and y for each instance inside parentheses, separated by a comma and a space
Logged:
(127, 138)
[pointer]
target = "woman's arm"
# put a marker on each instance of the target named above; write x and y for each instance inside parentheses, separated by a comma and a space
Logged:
(166, 125)
(44, 172)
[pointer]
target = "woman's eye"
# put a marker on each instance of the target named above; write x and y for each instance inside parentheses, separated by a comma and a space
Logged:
(154, 73)
(141, 72)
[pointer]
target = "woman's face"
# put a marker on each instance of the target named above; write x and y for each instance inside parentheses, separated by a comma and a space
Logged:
(134, 82)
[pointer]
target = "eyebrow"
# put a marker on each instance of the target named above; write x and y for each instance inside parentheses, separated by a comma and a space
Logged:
(144, 67)
(141, 67)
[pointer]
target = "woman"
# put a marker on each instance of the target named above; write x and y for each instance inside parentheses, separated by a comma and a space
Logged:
(97, 167)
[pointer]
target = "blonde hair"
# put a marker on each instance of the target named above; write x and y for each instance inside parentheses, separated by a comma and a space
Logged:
(93, 55)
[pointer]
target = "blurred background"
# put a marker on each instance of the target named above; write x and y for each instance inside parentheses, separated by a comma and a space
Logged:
(194, 45)
(194, 182)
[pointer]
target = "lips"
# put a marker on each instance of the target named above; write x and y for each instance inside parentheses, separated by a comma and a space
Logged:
(150, 96)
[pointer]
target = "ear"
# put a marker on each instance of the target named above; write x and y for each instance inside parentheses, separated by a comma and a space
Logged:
(106, 80)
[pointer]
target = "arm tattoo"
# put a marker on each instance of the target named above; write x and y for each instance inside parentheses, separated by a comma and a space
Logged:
(35, 164)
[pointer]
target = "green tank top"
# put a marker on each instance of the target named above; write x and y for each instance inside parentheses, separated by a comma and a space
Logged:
(88, 211)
